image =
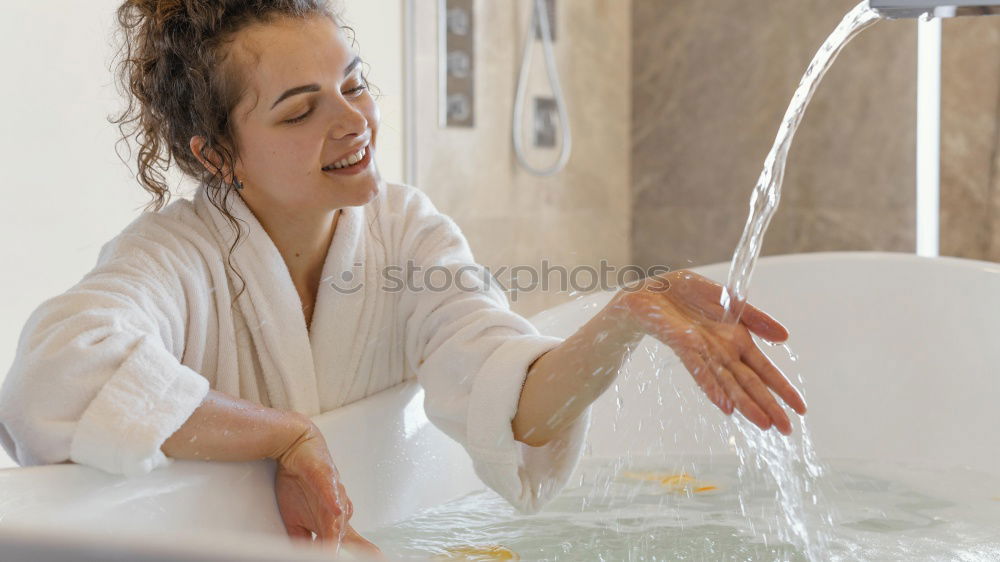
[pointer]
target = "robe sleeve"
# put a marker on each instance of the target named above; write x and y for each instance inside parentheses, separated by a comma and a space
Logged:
(471, 355)
(96, 378)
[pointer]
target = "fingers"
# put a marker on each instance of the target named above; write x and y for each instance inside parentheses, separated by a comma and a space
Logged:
(705, 378)
(773, 377)
(762, 396)
(336, 512)
(762, 324)
(699, 359)
(751, 383)
(298, 532)
(332, 533)
(344, 535)
(747, 406)
(334, 494)
(353, 538)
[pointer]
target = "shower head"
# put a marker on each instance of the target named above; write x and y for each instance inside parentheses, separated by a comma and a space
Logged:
(893, 9)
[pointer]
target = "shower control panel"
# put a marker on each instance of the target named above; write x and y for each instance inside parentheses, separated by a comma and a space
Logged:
(456, 63)
(546, 122)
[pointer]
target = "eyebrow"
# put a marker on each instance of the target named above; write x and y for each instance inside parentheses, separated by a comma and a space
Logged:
(313, 87)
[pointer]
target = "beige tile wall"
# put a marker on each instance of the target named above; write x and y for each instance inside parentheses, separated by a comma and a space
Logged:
(695, 91)
(577, 218)
(970, 99)
(711, 83)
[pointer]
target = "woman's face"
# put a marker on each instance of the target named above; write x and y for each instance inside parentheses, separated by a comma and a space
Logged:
(307, 107)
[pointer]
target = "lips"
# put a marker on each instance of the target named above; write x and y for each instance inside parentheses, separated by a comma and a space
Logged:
(348, 159)
(360, 167)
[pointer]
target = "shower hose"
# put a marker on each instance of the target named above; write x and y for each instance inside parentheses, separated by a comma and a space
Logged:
(540, 19)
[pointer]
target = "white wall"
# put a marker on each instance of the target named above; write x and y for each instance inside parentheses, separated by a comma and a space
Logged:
(379, 33)
(64, 190)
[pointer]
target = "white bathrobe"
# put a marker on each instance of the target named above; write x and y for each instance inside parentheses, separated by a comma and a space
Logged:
(105, 372)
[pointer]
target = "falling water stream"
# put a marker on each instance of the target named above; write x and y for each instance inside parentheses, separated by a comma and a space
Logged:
(790, 506)
(767, 193)
(793, 469)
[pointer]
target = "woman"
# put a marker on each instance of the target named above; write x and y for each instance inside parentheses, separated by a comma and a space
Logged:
(214, 328)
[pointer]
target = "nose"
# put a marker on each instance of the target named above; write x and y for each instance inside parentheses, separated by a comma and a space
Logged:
(347, 120)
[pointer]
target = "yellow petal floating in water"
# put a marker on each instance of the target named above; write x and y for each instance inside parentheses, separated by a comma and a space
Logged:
(682, 483)
(657, 476)
(676, 479)
(641, 475)
(478, 553)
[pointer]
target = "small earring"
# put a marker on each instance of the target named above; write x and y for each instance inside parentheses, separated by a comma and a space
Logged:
(237, 183)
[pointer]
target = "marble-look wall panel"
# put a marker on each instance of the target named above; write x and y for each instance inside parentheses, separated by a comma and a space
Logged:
(970, 100)
(576, 218)
(711, 82)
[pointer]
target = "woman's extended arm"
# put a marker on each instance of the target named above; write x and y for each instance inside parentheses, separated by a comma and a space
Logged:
(561, 384)
(225, 428)
(682, 310)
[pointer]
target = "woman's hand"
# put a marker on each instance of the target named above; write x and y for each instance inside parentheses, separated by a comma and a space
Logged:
(311, 498)
(682, 309)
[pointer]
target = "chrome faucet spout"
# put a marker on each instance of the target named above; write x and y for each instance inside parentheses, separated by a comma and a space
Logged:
(896, 9)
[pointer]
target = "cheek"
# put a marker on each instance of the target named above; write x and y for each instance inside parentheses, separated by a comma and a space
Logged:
(269, 155)
(296, 149)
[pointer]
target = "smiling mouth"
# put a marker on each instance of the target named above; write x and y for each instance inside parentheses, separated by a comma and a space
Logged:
(351, 160)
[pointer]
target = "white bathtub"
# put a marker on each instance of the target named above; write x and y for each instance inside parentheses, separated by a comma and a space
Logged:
(899, 356)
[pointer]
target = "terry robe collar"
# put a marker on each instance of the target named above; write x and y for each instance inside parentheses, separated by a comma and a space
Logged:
(298, 362)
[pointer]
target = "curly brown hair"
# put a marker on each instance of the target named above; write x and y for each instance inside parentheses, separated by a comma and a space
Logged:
(180, 81)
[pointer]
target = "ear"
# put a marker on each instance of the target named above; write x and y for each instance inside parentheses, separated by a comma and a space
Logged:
(208, 157)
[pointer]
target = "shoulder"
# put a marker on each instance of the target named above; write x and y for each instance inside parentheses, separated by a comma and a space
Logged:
(408, 212)
(405, 199)
(171, 237)
(417, 223)
(414, 209)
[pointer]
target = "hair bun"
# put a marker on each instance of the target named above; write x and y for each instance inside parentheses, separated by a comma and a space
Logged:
(158, 12)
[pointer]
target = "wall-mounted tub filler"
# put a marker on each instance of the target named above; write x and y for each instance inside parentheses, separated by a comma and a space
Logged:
(893, 9)
(928, 173)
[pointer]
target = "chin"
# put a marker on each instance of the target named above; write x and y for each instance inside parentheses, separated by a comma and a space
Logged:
(366, 192)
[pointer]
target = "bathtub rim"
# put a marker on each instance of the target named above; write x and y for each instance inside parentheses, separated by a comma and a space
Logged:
(780, 259)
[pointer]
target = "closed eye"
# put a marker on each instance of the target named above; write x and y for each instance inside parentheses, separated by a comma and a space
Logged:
(352, 91)
(299, 118)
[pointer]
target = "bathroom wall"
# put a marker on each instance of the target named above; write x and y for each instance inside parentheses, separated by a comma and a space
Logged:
(378, 35)
(55, 218)
(511, 218)
(64, 190)
(711, 83)
(970, 138)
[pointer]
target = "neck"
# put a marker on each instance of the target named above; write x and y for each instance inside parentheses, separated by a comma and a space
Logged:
(303, 242)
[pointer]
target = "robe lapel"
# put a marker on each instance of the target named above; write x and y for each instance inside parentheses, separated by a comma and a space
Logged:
(271, 306)
(341, 321)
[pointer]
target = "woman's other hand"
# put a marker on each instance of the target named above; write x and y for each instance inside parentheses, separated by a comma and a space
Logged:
(311, 498)
(682, 309)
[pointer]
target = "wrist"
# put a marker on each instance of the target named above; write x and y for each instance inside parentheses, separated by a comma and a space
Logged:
(618, 316)
(290, 429)
(626, 303)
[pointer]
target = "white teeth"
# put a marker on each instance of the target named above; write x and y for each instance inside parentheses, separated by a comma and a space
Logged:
(350, 160)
